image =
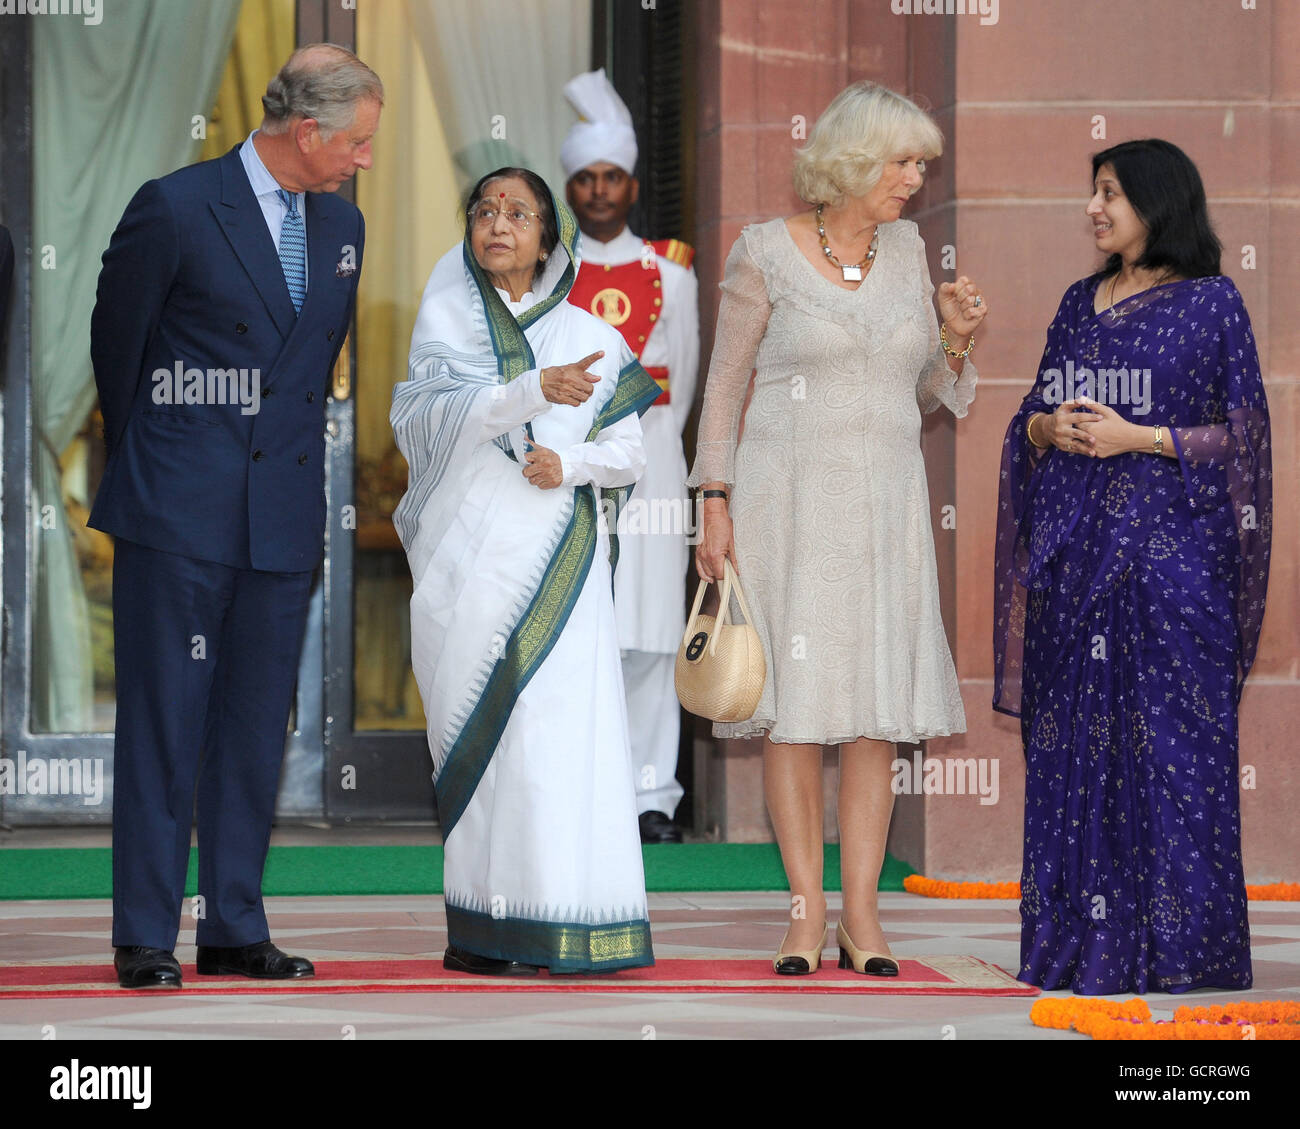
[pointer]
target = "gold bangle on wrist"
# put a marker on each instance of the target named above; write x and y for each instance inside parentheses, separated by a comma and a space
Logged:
(1158, 447)
(943, 340)
(1029, 431)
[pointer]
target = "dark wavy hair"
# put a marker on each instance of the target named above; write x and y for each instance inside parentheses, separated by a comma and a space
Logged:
(1166, 192)
(545, 203)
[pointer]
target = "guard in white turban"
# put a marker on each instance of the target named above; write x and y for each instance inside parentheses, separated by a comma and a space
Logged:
(648, 291)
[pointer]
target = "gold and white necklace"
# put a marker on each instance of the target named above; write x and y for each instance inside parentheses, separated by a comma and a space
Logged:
(852, 271)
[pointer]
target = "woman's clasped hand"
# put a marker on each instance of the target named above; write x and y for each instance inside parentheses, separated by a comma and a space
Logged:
(1064, 428)
(1088, 427)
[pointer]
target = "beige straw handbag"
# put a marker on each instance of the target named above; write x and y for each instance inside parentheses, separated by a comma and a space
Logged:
(720, 667)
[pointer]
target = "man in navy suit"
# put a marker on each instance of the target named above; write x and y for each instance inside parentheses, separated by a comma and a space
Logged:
(224, 299)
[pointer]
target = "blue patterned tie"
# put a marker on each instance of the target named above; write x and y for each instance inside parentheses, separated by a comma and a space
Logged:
(293, 250)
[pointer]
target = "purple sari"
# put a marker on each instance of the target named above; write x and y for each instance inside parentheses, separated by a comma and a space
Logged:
(1128, 600)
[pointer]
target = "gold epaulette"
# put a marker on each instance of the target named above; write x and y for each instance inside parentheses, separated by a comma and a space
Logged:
(675, 251)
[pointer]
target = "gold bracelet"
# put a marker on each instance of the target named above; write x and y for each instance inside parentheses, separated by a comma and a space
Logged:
(943, 340)
(1029, 431)
(1158, 448)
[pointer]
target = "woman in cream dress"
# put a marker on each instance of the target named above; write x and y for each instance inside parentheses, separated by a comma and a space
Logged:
(823, 505)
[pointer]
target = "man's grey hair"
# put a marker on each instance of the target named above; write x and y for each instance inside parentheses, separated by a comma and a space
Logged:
(320, 81)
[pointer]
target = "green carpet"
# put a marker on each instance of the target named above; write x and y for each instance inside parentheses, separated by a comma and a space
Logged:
(87, 872)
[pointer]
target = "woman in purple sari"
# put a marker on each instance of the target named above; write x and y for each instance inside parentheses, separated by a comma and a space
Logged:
(1131, 565)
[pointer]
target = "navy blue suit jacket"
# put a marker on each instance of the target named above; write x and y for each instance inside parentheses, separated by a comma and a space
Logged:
(192, 277)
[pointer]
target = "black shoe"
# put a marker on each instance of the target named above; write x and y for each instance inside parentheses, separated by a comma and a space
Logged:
(459, 960)
(658, 828)
(262, 961)
(139, 966)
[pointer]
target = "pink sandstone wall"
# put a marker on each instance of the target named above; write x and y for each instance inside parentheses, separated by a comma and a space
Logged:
(1016, 101)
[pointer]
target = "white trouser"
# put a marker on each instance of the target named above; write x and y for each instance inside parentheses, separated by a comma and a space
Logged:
(654, 726)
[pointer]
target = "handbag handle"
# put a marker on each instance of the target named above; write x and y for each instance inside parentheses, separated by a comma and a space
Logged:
(729, 581)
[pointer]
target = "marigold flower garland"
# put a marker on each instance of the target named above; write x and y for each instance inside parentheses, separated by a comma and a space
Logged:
(1111, 1019)
(1274, 892)
(937, 888)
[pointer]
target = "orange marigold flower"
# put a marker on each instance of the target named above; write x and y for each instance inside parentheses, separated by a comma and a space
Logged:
(938, 888)
(1111, 1019)
(1274, 892)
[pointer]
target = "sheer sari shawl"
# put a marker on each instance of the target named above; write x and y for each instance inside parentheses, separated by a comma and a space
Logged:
(480, 633)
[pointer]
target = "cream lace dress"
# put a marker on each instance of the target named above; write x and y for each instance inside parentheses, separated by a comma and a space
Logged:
(829, 500)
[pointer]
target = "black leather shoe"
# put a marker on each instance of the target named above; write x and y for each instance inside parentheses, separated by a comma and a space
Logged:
(262, 961)
(658, 828)
(459, 960)
(139, 966)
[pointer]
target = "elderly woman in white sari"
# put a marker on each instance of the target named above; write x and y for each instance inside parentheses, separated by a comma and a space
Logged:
(519, 420)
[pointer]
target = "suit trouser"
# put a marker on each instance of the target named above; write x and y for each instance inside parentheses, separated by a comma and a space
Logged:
(654, 726)
(207, 660)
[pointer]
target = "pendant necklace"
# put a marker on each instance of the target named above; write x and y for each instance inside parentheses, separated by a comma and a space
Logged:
(852, 271)
(1160, 281)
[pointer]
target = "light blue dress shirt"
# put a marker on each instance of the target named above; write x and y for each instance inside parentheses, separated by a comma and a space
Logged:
(265, 188)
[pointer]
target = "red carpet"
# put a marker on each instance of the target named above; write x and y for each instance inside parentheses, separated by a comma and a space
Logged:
(938, 976)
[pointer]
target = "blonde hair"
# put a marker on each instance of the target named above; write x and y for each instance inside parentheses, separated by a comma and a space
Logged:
(864, 127)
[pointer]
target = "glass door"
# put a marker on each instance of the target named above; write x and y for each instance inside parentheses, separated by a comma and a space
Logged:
(376, 762)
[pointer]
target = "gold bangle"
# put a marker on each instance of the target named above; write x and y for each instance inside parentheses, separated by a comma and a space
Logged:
(1158, 448)
(943, 340)
(1029, 430)
(541, 379)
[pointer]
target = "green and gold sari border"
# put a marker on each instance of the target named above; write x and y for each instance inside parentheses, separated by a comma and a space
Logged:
(509, 343)
(560, 946)
(635, 392)
(553, 299)
(567, 224)
(612, 500)
(532, 639)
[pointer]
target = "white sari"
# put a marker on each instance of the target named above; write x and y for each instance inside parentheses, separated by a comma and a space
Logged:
(513, 636)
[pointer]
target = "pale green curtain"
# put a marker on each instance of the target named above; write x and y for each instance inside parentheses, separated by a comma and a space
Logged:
(113, 106)
(498, 72)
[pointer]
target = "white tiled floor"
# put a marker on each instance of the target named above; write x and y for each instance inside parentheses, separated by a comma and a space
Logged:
(684, 925)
